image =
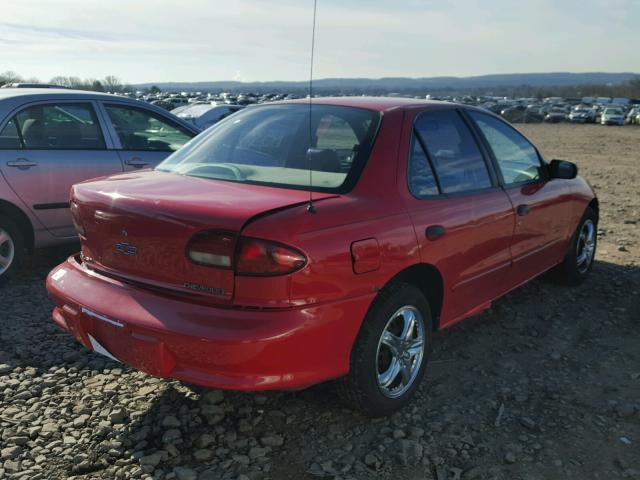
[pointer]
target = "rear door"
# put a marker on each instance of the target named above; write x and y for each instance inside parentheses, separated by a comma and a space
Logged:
(47, 147)
(143, 137)
(541, 206)
(462, 218)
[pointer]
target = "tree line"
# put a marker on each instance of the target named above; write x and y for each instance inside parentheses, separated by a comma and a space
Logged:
(113, 84)
(110, 83)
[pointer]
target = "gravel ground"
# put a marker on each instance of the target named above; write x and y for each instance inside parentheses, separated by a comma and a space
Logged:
(545, 385)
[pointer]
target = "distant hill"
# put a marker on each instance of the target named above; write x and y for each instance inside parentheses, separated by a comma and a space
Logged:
(403, 84)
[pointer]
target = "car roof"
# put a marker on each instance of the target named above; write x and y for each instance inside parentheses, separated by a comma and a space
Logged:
(11, 98)
(53, 93)
(380, 104)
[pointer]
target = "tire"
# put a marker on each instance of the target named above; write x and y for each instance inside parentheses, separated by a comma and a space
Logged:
(372, 358)
(573, 271)
(12, 249)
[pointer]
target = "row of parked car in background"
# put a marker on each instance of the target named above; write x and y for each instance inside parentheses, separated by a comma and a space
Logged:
(205, 109)
(608, 114)
(600, 110)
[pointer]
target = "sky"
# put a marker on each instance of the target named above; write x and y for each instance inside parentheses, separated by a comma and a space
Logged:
(258, 40)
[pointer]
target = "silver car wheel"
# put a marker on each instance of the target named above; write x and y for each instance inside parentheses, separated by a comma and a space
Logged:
(586, 246)
(7, 251)
(400, 351)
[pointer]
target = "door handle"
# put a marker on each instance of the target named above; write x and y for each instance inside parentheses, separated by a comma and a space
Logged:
(522, 210)
(435, 231)
(136, 162)
(22, 163)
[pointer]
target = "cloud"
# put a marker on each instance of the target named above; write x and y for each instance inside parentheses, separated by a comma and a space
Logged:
(168, 40)
(60, 32)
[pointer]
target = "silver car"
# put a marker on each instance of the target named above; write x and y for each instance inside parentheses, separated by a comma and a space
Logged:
(612, 116)
(204, 115)
(53, 138)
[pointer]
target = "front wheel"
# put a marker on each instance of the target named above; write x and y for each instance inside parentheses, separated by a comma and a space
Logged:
(579, 259)
(390, 354)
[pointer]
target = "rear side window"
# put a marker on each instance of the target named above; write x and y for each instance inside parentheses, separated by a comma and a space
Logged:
(9, 138)
(517, 158)
(452, 151)
(143, 130)
(422, 181)
(72, 126)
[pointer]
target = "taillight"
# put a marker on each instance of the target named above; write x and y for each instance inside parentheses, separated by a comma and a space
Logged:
(75, 217)
(264, 258)
(213, 249)
(252, 256)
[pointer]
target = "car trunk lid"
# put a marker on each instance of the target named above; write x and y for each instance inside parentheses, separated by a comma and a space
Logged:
(138, 226)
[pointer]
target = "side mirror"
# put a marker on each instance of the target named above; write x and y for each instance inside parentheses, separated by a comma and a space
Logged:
(562, 169)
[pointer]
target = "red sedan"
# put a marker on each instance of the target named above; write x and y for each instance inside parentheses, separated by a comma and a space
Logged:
(215, 269)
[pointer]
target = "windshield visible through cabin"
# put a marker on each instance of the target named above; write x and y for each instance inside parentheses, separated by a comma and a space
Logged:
(278, 145)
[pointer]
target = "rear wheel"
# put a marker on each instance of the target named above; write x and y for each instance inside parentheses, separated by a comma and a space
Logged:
(579, 259)
(11, 248)
(390, 355)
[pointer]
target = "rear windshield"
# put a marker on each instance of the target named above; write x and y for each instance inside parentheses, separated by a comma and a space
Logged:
(292, 146)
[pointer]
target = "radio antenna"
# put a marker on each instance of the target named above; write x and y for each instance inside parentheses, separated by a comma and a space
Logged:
(310, 151)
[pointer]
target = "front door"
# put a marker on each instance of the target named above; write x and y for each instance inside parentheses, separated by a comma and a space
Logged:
(145, 137)
(463, 220)
(540, 206)
(46, 148)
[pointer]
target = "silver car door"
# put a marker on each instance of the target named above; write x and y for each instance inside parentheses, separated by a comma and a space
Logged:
(143, 137)
(46, 148)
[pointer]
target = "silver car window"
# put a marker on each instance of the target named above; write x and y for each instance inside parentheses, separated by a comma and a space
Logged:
(72, 126)
(142, 130)
(9, 137)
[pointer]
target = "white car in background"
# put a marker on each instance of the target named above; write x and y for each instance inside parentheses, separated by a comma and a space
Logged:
(633, 116)
(204, 115)
(612, 116)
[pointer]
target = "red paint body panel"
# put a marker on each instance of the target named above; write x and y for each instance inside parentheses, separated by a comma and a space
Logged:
(219, 347)
(159, 213)
(297, 329)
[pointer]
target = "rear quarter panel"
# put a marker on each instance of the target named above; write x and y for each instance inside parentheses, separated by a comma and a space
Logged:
(372, 209)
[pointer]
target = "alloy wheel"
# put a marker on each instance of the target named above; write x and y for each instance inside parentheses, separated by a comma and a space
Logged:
(400, 351)
(586, 246)
(7, 251)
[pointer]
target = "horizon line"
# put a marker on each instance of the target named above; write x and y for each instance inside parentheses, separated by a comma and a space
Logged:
(394, 77)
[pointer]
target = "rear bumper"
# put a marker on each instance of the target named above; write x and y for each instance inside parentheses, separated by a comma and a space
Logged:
(217, 347)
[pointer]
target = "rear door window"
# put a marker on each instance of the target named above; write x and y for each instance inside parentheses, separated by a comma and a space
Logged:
(422, 181)
(452, 152)
(72, 126)
(143, 130)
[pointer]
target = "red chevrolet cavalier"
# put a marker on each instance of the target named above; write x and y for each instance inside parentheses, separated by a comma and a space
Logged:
(215, 269)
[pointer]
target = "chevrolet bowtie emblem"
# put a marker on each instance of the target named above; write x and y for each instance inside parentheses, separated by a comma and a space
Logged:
(127, 249)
